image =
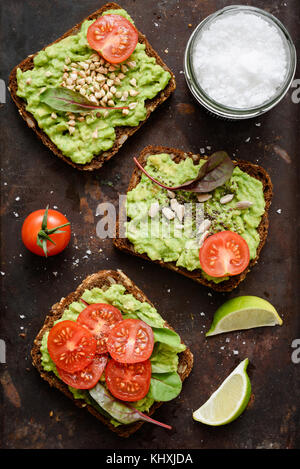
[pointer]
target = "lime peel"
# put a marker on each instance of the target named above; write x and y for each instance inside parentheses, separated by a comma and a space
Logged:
(244, 312)
(229, 401)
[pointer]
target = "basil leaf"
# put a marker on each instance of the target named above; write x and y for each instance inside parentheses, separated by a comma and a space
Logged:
(165, 386)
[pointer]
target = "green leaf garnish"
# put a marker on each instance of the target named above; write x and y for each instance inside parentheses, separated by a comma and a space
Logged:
(63, 99)
(212, 174)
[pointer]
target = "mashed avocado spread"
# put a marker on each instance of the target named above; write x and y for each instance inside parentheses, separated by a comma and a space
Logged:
(164, 358)
(131, 83)
(177, 241)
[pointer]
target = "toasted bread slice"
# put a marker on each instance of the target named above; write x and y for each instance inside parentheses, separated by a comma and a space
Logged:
(252, 169)
(104, 278)
(122, 133)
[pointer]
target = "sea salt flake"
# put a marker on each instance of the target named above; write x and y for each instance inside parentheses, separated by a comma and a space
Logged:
(240, 60)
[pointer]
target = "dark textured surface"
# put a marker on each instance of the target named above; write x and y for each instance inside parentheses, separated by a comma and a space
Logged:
(30, 285)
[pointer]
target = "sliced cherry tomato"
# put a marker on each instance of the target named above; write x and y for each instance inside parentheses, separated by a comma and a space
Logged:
(224, 253)
(42, 226)
(114, 37)
(71, 346)
(130, 341)
(128, 381)
(86, 378)
(100, 318)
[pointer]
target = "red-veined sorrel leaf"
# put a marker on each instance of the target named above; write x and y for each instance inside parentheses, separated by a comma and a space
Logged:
(212, 174)
(63, 99)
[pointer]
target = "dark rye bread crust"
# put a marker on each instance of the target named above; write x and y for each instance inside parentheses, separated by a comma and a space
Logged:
(252, 169)
(122, 133)
(104, 278)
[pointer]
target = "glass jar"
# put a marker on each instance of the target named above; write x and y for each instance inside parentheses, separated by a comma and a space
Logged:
(222, 110)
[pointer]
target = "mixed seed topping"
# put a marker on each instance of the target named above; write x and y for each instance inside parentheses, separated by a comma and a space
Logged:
(99, 81)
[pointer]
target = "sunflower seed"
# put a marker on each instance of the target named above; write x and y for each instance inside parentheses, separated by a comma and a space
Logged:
(168, 213)
(154, 209)
(203, 238)
(226, 198)
(243, 204)
(203, 197)
(204, 226)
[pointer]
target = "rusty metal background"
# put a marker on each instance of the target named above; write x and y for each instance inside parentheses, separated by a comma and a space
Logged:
(35, 416)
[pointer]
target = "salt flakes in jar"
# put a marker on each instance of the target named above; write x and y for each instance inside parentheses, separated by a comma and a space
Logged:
(240, 60)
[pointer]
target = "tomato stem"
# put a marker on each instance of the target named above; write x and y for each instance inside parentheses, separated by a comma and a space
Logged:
(43, 234)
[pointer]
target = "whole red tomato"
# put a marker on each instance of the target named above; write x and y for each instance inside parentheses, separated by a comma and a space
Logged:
(46, 232)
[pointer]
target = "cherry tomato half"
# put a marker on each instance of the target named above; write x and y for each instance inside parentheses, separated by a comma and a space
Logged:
(128, 382)
(86, 378)
(33, 232)
(224, 253)
(130, 341)
(71, 346)
(113, 36)
(100, 318)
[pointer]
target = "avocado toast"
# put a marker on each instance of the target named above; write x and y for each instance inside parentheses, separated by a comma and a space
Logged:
(110, 284)
(86, 141)
(248, 181)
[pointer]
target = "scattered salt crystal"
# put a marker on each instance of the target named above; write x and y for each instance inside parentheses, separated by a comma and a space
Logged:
(248, 140)
(258, 124)
(227, 340)
(279, 211)
(235, 352)
(2, 273)
(88, 252)
(240, 60)
(17, 199)
(16, 214)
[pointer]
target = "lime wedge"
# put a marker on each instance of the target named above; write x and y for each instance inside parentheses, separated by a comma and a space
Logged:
(243, 312)
(229, 400)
